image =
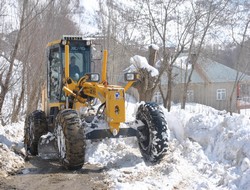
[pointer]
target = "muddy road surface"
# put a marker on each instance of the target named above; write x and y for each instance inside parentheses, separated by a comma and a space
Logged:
(41, 174)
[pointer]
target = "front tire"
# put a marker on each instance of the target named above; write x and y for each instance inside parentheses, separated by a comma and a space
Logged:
(70, 139)
(35, 127)
(154, 136)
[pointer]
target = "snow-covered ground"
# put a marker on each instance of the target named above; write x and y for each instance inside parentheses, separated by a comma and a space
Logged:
(11, 148)
(208, 149)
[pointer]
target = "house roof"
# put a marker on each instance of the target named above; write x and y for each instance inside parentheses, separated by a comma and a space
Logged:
(206, 70)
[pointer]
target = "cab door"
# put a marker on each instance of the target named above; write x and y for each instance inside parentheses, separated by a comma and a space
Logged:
(54, 75)
(54, 82)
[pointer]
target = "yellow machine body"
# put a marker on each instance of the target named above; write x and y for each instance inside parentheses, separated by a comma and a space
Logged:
(71, 113)
(77, 94)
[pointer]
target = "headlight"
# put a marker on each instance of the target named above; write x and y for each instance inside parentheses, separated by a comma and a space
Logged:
(131, 76)
(93, 77)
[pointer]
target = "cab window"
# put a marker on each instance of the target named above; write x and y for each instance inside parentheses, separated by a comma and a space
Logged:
(54, 74)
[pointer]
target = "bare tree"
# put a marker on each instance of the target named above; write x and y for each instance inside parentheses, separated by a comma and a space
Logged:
(40, 22)
(51, 25)
(205, 14)
(32, 13)
(148, 80)
(240, 59)
(136, 25)
(5, 83)
(118, 23)
(161, 15)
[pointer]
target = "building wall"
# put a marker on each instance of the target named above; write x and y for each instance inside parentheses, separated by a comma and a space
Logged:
(212, 94)
(206, 94)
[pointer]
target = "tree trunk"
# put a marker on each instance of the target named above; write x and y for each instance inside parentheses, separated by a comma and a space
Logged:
(187, 82)
(33, 99)
(17, 108)
(152, 55)
(237, 78)
(169, 91)
(184, 98)
(146, 96)
(6, 84)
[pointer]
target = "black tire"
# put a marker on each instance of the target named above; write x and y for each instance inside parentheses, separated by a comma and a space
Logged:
(35, 127)
(70, 139)
(154, 136)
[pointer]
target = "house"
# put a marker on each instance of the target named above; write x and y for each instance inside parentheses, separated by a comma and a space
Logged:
(211, 84)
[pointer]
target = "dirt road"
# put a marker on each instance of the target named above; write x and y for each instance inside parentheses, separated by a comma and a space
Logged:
(41, 174)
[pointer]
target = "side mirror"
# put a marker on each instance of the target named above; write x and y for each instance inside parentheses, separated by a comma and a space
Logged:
(131, 76)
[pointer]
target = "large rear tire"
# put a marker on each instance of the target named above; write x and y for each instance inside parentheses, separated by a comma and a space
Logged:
(154, 135)
(35, 127)
(70, 139)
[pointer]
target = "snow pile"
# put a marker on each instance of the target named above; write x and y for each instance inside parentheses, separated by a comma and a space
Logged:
(11, 148)
(208, 149)
(225, 140)
(139, 62)
(155, 47)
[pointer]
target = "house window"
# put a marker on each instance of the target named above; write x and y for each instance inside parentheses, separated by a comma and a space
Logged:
(157, 98)
(190, 96)
(221, 94)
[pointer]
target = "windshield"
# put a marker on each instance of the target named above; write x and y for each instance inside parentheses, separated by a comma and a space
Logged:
(79, 59)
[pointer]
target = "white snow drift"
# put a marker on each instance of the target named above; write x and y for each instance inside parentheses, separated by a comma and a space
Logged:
(208, 149)
(11, 148)
(139, 62)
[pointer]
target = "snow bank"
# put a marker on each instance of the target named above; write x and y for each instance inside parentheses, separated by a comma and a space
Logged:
(225, 140)
(11, 148)
(139, 62)
(208, 149)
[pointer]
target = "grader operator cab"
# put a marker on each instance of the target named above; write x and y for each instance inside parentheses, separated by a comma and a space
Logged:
(69, 115)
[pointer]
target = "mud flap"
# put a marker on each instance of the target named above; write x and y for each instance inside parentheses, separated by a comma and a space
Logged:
(47, 147)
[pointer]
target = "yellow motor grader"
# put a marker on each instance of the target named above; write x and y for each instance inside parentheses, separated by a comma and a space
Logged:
(70, 116)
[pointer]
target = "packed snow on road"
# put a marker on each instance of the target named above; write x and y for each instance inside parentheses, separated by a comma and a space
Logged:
(208, 149)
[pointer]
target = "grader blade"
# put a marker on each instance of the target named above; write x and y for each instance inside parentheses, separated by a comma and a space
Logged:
(47, 147)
